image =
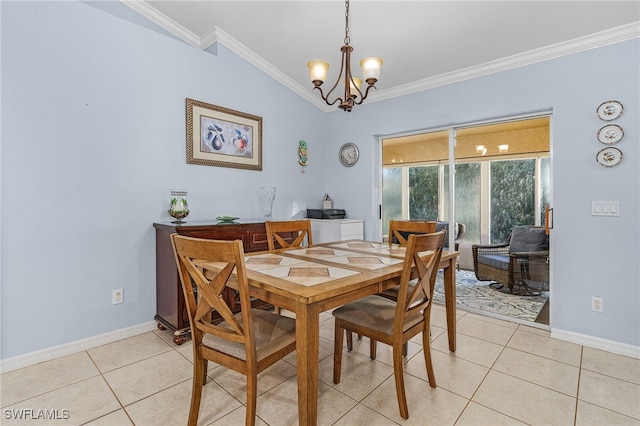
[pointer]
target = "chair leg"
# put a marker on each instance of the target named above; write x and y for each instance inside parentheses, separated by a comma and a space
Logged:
(373, 348)
(337, 350)
(277, 310)
(426, 348)
(252, 393)
(196, 390)
(349, 340)
(399, 377)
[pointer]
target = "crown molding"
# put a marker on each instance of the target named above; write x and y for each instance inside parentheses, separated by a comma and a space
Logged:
(216, 35)
(163, 21)
(592, 41)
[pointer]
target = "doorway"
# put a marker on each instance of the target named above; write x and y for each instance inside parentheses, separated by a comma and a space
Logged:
(489, 176)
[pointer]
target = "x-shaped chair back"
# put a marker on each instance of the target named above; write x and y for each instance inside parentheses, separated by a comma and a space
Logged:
(399, 230)
(228, 255)
(424, 252)
(277, 232)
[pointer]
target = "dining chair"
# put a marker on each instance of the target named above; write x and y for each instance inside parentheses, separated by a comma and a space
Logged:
(395, 322)
(293, 230)
(247, 342)
(399, 231)
(278, 231)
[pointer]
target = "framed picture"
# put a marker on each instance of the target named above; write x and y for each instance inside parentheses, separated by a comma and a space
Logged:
(222, 137)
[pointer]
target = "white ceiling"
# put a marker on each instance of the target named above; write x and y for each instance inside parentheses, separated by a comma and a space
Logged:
(424, 44)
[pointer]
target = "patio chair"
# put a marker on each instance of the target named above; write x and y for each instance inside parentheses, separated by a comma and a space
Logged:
(521, 263)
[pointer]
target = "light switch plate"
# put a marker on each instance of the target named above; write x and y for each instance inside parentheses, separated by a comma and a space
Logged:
(605, 208)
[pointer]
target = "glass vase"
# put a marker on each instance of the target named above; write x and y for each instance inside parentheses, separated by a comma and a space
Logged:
(178, 208)
(266, 195)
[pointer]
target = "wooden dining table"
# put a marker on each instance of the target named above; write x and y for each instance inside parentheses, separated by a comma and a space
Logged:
(311, 280)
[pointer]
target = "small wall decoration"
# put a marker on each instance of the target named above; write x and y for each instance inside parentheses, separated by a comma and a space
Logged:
(609, 156)
(610, 134)
(348, 154)
(222, 137)
(609, 110)
(302, 153)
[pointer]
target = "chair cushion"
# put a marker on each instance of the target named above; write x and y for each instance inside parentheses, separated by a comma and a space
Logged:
(495, 261)
(272, 332)
(527, 239)
(376, 313)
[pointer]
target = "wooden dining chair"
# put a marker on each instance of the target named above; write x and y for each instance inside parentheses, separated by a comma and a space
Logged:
(395, 322)
(399, 231)
(279, 231)
(247, 342)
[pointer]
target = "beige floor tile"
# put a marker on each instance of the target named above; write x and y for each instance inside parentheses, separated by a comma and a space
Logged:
(610, 393)
(427, 406)
(592, 415)
(497, 321)
(363, 416)
(28, 382)
(115, 418)
(525, 401)
(541, 371)
(485, 330)
(127, 351)
(279, 406)
(618, 366)
(476, 414)
(187, 352)
(557, 350)
(237, 417)
(439, 315)
(469, 348)
(384, 353)
(359, 374)
(452, 373)
(171, 406)
(144, 378)
(82, 401)
(236, 383)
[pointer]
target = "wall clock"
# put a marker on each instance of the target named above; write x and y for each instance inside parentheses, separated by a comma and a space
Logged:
(348, 154)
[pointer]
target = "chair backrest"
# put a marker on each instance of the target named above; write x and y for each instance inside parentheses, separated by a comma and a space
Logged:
(527, 239)
(228, 255)
(423, 253)
(399, 230)
(276, 229)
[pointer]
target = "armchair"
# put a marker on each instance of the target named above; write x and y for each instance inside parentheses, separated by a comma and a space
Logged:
(522, 261)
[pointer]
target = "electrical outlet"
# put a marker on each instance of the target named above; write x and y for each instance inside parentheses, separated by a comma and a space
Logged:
(117, 296)
(596, 303)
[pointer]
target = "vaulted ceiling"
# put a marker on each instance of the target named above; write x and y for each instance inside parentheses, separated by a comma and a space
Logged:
(424, 44)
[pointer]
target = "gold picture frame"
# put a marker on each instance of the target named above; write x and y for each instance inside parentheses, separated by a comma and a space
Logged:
(222, 137)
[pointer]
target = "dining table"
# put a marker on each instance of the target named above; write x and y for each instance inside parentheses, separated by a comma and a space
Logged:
(313, 279)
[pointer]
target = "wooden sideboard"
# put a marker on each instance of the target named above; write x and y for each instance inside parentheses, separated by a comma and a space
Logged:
(171, 310)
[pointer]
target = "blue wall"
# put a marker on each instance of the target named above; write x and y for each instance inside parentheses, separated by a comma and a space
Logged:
(93, 138)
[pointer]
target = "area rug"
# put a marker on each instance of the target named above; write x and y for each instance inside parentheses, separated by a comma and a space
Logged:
(474, 294)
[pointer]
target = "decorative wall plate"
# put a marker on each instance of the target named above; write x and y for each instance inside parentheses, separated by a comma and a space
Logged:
(609, 156)
(610, 134)
(609, 110)
(348, 154)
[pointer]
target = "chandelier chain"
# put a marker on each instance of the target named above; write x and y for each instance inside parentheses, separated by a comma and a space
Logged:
(347, 39)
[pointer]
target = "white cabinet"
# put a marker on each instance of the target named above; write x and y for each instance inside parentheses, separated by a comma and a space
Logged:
(327, 230)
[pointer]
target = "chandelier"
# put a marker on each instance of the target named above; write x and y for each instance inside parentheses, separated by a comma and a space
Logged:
(352, 93)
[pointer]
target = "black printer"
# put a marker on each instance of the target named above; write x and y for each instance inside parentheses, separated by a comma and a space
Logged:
(326, 213)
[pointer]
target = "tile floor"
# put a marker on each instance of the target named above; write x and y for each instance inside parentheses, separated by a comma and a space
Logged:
(502, 373)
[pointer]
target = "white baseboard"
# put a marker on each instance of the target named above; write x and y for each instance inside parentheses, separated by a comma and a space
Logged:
(48, 354)
(597, 343)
